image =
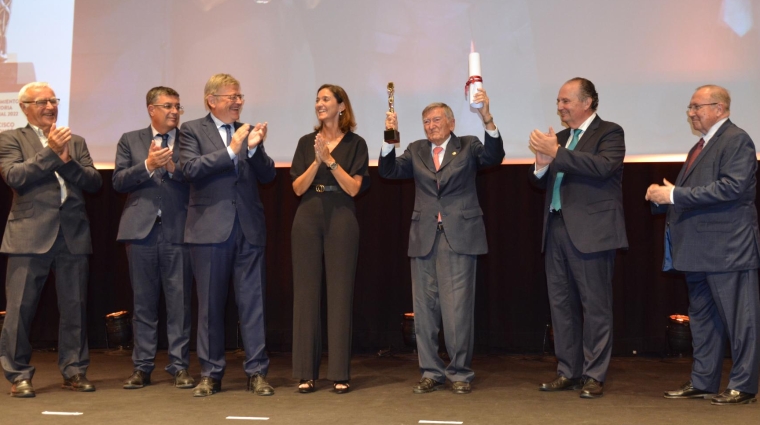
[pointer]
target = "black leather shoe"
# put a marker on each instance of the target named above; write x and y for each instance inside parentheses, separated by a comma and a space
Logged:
(461, 387)
(687, 390)
(592, 389)
(78, 382)
(183, 380)
(733, 397)
(561, 384)
(138, 379)
(208, 386)
(259, 385)
(427, 385)
(22, 389)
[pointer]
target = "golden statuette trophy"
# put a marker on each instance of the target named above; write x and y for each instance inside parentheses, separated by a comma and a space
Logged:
(391, 135)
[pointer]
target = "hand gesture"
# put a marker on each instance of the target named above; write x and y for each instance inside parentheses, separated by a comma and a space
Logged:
(659, 194)
(544, 143)
(482, 97)
(257, 135)
(158, 157)
(321, 151)
(58, 140)
(236, 143)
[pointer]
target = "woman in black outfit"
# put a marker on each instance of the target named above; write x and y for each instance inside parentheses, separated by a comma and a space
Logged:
(329, 168)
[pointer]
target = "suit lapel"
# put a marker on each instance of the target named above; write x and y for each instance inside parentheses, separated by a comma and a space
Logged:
(425, 153)
(212, 133)
(175, 148)
(32, 138)
(452, 149)
(713, 141)
(588, 135)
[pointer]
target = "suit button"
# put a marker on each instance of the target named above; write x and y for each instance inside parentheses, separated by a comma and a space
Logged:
(439, 196)
(60, 208)
(233, 202)
(162, 180)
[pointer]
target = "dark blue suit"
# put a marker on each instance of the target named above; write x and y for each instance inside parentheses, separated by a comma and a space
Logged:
(156, 251)
(712, 235)
(226, 232)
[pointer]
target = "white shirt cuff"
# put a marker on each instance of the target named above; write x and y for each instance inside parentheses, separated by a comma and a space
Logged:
(387, 148)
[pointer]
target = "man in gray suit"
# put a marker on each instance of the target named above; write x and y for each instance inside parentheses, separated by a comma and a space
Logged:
(224, 161)
(711, 234)
(446, 236)
(581, 169)
(47, 167)
(153, 227)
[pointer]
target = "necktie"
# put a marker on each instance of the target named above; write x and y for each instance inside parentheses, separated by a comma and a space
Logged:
(164, 140)
(556, 205)
(227, 143)
(694, 153)
(437, 151)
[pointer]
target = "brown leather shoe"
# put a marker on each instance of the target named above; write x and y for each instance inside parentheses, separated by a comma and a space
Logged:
(138, 379)
(592, 389)
(427, 385)
(561, 384)
(733, 397)
(183, 380)
(79, 383)
(461, 387)
(208, 386)
(259, 385)
(22, 389)
(687, 390)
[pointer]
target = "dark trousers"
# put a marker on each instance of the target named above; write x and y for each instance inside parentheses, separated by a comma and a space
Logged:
(23, 285)
(156, 264)
(325, 227)
(213, 266)
(725, 306)
(443, 291)
(580, 297)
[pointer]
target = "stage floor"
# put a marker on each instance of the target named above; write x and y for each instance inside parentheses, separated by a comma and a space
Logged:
(504, 392)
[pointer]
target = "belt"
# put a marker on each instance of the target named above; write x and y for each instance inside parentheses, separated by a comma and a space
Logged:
(440, 227)
(555, 212)
(158, 219)
(324, 188)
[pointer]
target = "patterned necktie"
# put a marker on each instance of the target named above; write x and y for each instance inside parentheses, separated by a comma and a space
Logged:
(556, 205)
(437, 151)
(694, 153)
(164, 140)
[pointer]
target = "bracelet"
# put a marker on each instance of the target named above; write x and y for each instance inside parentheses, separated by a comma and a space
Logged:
(488, 121)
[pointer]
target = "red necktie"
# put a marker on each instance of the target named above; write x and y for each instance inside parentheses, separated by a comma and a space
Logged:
(694, 153)
(436, 151)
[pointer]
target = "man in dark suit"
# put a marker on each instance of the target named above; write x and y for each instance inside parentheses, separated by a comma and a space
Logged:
(224, 161)
(47, 167)
(581, 169)
(712, 235)
(153, 227)
(446, 236)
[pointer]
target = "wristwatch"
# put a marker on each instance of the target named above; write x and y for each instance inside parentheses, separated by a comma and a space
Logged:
(332, 166)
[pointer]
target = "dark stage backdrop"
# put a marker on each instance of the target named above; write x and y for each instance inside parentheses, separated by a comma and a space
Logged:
(512, 306)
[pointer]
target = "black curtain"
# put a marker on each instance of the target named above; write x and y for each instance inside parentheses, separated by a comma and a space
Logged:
(512, 309)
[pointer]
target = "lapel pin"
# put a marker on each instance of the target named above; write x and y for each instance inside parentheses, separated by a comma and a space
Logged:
(453, 153)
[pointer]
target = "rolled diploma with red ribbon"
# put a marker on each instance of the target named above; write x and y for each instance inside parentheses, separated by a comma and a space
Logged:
(475, 81)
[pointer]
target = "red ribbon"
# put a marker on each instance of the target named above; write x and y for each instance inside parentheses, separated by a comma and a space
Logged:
(472, 80)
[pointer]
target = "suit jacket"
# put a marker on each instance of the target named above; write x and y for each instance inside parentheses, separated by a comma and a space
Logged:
(147, 194)
(217, 192)
(712, 226)
(591, 190)
(450, 190)
(36, 211)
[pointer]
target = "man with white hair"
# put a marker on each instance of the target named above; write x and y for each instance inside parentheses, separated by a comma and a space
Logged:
(47, 168)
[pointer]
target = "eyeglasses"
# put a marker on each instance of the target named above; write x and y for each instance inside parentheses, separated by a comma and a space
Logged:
(169, 106)
(232, 97)
(43, 102)
(696, 108)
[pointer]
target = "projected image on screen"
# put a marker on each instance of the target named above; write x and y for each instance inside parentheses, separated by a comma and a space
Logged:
(35, 45)
(646, 57)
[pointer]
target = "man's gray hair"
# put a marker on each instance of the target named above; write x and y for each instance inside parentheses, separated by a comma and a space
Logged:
(31, 86)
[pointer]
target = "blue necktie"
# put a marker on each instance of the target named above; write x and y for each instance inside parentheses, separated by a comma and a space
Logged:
(556, 205)
(164, 140)
(227, 142)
